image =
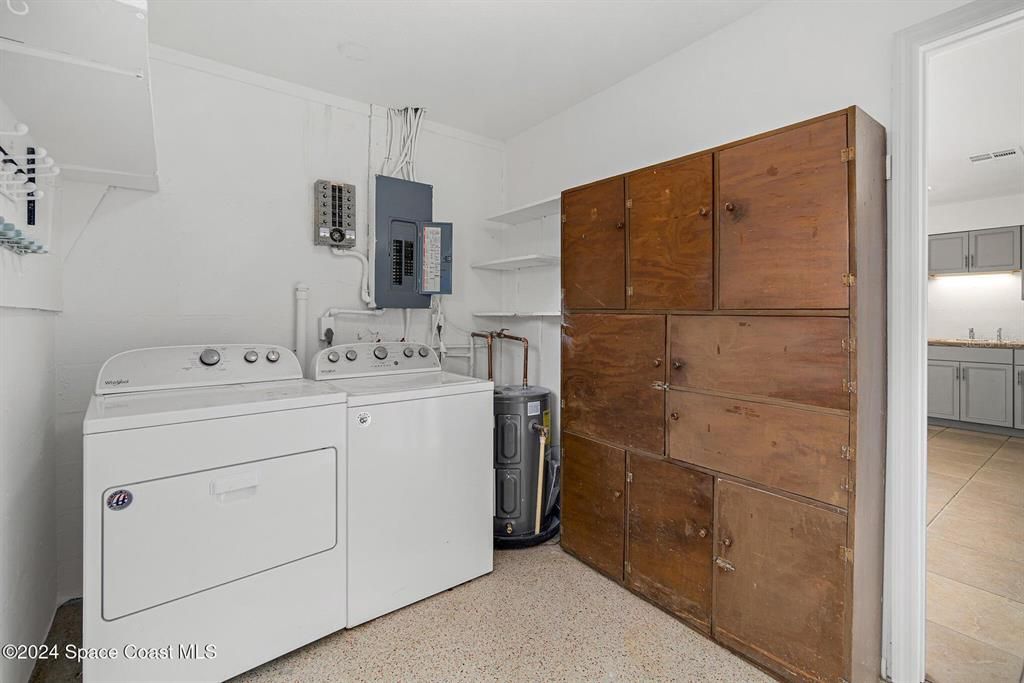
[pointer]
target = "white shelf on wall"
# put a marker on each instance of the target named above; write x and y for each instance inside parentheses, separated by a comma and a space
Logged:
(530, 212)
(518, 314)
(520, 262)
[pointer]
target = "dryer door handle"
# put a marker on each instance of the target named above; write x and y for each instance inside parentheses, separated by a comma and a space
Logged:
(238, 482)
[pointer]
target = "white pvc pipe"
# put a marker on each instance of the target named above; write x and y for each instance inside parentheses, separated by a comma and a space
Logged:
(301, 308)
(331, 312)
(364, 289)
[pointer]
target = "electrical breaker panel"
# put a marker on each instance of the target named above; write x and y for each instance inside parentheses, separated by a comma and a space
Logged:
(412, 254)
(334, 214)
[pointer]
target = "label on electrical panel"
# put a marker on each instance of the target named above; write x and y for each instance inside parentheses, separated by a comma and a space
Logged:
(533, 408)
(430, 280)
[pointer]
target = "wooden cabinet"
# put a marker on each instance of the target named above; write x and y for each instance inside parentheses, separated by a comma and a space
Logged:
(944, 389)
(785, 447)
(986, 393)
(669, 539)
(781, 582)
(747, 343)
(594, 246)
(994, 250)
(947, 253)
(593, 504)
(610, 364)
(784, 220)
(799, 359)
(671, 236)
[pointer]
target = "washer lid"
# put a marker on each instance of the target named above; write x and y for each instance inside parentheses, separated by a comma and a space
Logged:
(171, 406)
(399, 387)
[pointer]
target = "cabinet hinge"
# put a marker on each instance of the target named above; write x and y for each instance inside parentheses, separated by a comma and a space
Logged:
(629, 203)
(629, 477)
(845, 554)
(627, 567)
(847, 452)
(563, 217)
(724, 564)
(849, 279)
(562, 403)
(888, 167)
(849, 344)
(846, 485)
(660, 386)
(847, 154)
(849, 386)
(629, 291)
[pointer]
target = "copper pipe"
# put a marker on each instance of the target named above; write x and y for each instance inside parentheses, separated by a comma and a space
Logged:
(500, 334)
(490, 354)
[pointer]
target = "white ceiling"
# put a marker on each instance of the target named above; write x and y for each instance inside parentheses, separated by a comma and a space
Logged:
(975, 105)
(494, 68)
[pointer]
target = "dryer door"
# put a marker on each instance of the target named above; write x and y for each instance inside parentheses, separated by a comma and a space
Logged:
(170, 537)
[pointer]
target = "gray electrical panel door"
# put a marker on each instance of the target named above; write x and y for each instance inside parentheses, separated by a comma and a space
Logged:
(947, 253)
(400, 206)
(995, 250)
(944, 389)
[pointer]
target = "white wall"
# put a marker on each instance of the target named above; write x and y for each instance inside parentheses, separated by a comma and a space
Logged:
(29, 297)
(984, 302)
(215, 254)
(786, 62)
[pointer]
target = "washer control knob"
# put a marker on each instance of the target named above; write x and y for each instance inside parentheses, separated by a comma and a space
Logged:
(408, 352)
(424, 352)
(251, 356)
(333, 356)
(351, 354)
(209, 357)
(380, 353)
(273, 355)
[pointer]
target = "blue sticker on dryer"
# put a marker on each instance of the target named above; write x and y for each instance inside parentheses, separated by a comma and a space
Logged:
(120, 499)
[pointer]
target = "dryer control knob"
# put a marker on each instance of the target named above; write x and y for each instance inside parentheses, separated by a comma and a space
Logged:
(380, 353)
(251, 356)
(333, 356)
(351, 354)
(273, 355)
(424, 352)
(408, 352)
(209, 357)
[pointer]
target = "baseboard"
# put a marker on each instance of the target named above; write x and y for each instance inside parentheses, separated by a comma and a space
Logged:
(975, 427)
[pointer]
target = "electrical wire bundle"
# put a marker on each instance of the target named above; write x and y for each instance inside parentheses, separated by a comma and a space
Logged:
(408, 121)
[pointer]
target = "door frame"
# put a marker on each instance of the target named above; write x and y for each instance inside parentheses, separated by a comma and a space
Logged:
(903, 625)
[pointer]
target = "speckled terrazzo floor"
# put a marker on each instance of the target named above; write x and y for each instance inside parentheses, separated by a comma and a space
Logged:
(540, 616)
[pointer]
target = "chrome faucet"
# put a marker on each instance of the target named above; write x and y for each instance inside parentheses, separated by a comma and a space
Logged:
(970, 333)
(999, 334)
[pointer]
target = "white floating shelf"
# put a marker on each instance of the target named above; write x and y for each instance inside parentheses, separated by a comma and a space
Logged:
(518, 314)
(519, 262)
(530, 212)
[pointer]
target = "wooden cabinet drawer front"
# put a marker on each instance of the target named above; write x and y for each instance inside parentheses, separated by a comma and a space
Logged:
(800, 451)
(783, 220)
(670, 236)
(781, 582)
(594, 246)
(670, 536)
(796, 359)
(593, 504)
(609, 364)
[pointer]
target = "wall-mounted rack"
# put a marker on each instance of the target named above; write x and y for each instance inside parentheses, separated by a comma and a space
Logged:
(518, 314)
(529, 212)
(520, 262)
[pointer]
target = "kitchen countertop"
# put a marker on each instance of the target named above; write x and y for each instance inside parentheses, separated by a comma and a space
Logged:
(977, 343)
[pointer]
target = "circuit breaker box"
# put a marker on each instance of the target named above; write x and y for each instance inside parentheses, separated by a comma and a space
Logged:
(413, 253)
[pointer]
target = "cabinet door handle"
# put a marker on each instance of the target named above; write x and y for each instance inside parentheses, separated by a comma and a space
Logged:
(963, 374)
(957, 369)
(657, 362)
(620, 225)
(677, 364)
(675, 415)
(1020, 374)
(965, 260)
(729, 206)
(703, 533)
(972, 260)
(703, 211)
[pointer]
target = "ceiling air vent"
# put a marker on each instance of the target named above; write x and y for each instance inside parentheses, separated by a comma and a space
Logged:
(987, 156)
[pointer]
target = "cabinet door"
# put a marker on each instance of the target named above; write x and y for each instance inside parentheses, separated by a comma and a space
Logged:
(1018, 397)
(669, 544)
(995, 250)
(671, 236)
(780, 582)
(594, 246)
(593, 507)
(788, 448)
(610, 363)
(796, 359)
(986, 393)
(783, 220)
(944, 389)
(947, 253)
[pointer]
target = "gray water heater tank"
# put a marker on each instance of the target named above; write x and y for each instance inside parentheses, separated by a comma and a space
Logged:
(519, 413)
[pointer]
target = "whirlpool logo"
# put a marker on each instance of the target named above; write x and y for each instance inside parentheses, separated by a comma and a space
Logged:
(115, 382)
(120, 499)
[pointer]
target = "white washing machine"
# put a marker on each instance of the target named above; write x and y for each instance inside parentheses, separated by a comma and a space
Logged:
(214, 513)
(420, 474)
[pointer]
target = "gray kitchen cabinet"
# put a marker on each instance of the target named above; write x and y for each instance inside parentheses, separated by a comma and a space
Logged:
(944, 389)
(994, 250)
(947, 253)
(1018, 397)
(986, 393)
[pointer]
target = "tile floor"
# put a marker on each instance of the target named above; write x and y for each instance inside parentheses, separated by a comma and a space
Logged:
(540, 616)
(975, 557)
